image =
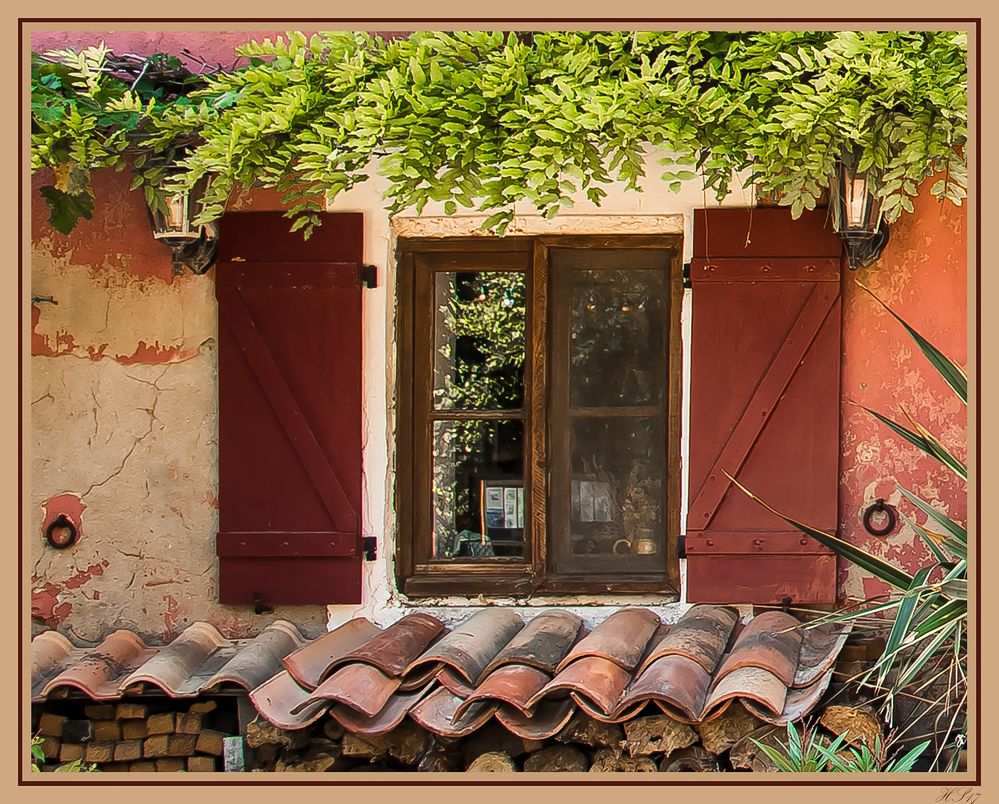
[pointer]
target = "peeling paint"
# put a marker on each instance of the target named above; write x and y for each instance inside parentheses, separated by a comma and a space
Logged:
(155, 354)
(48, 606)
(83, 576)
(66, 504)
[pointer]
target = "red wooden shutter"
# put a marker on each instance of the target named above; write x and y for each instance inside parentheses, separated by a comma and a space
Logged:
(289, 410)
(764, 405)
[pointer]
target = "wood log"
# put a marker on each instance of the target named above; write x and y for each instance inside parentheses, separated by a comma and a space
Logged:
(694, 759)
(492, 762)
(859, 723)
(721, 733)
(746, 755)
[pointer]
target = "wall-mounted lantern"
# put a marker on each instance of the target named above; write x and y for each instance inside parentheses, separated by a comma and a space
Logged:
(191, 245)
(856, 214)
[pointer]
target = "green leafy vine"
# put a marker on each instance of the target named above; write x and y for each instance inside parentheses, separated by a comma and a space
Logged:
(483, 120)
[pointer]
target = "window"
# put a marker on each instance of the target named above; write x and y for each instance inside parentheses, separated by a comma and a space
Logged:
(538, 438)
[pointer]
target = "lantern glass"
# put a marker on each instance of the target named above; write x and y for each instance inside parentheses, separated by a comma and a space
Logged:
(856, 211)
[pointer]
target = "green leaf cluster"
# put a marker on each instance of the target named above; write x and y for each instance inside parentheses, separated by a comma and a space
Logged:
(483, 120)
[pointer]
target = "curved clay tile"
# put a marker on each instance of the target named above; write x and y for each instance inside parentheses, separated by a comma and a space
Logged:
(101, 670)
(51, 653)
(547, 720)
(276, 697)
(391, 715)
(259, 659)
(361, 686)
(701, 634)
(621, 638)
(587, 708)
(309, 665)
(397, 646)
(749, 684)
(595, 678)
(453, 683)
(798, 703)
(819, 648)
(471, 645)
(678, 681)
(771, 641)
(514, 684)
(435, 713)
(542, 643)
(176, 667)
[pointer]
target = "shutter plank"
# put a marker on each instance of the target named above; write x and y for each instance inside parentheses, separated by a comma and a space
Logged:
(272, 383)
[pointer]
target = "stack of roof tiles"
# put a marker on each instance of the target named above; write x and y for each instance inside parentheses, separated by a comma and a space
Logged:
(530, 677)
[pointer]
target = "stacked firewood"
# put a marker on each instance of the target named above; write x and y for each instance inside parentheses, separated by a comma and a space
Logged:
(125, 736)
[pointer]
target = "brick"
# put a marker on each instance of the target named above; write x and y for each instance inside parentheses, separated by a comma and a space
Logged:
(142, 767)
(202, 707)
(77, 731)
(169, 765)
(70, 751)
(201, 764)
(50, 725)
(181, 745)
(210, 742)
(100, 711)
(188, 723)
(134, 729)
(130, 711)
(50, 747)
(128, 751)
(156, 746)
(107, 731)
(98, 752)
(160, 724)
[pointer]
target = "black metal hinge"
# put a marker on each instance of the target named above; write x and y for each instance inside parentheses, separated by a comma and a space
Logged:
(682, 546)
(367, 275)
(686, 275)
(370, 544)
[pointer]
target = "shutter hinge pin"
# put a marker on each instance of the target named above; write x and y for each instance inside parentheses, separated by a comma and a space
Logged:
(367, 275)
(686, 276)
(370, 548)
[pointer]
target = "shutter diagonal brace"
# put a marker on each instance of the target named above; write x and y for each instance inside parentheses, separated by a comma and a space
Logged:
(290, 415)
(765, 398)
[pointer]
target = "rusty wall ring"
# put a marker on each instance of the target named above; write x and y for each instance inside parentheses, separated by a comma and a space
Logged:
(880, 507)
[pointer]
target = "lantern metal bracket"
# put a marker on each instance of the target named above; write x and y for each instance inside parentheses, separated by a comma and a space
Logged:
(864, 253)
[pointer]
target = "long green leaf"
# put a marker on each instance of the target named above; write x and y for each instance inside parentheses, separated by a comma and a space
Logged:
(880, 569)
(903, 619)
(951, 611)
(917, 664)
(953, 528)
(953, 374)
(928, 540)
(930, 445)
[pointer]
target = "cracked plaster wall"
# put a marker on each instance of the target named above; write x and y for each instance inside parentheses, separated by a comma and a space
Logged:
(123, 399)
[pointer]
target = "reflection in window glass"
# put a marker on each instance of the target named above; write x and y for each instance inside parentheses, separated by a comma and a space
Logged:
(616, 495)
(479, 340)
(618, 331)
(478, 489)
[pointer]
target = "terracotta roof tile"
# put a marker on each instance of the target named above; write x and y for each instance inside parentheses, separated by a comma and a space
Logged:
(542, 643)
(472, 644)
(771, 642)
(360, 686)
(310, 664)
(621, 638)
(395, 648)
(701, 634)
(490, 666)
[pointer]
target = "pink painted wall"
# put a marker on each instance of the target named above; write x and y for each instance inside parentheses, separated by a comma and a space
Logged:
(923, 276)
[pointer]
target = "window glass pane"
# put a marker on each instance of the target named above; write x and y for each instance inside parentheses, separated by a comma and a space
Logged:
(478, 489)
(618, 327)
(479, 340)
(616, 517)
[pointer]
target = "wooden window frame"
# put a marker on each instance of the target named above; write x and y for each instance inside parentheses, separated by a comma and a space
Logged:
(416, 574)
